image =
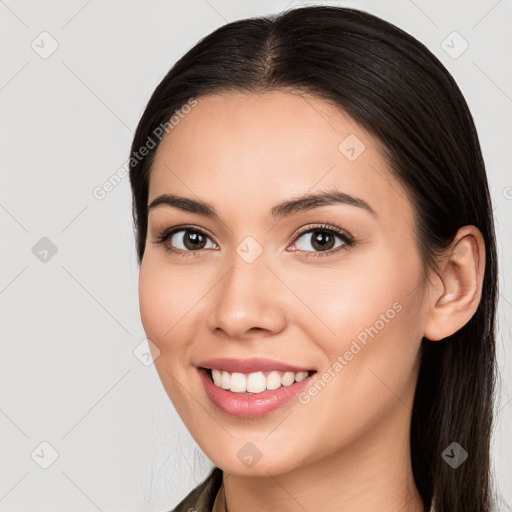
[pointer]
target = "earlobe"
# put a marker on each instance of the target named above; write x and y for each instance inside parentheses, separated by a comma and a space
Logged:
(461, 285)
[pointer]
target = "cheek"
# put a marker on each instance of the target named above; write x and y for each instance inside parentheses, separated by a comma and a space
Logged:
(370, 361)
(166, 310)
(174, 301)
(367, 323)
(164, 299)
(342, 301)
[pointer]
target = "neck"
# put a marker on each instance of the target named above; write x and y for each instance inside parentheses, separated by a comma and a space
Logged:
(372, 473)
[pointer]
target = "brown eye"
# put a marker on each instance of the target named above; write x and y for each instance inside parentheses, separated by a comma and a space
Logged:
(184, 240)
(322, 240)
(193, 240)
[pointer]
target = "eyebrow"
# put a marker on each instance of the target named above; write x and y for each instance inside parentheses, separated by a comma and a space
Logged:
(284, 209)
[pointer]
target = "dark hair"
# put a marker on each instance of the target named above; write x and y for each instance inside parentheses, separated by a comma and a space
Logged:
(396, 89)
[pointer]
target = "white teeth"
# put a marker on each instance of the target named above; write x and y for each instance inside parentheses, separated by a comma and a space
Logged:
(238, 383)
(288, 379)
(217, 377)
(255, 382)
(273, 380)
(226, 380)
(300, 376)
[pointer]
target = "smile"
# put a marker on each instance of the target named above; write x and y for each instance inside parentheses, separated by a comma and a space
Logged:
(255, 382)
(252, 388)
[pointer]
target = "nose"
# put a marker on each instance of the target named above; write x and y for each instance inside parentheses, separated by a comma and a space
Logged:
(248, 301)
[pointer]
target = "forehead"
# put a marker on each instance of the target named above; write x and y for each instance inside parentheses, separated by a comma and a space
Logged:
(247, 152)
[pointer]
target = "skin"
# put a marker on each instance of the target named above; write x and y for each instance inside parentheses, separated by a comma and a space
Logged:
(348, 448)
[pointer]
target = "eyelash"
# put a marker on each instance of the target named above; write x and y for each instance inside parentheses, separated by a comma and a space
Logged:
(346, 238)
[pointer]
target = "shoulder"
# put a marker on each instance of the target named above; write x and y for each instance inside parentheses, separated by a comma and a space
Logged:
(202, 497)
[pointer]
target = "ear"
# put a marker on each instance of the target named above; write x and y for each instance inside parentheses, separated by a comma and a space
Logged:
(455, 297)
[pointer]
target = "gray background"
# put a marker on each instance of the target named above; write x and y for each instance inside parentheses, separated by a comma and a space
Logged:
(70, 320)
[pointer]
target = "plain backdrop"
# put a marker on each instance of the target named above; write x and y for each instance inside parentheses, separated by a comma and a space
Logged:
(77, 393)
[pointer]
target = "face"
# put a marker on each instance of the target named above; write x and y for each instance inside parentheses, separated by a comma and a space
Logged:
(329, 292)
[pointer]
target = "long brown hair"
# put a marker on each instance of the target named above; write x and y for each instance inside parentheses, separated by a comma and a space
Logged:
(401, 93)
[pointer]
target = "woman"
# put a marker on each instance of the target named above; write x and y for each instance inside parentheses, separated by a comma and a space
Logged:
(318, 269)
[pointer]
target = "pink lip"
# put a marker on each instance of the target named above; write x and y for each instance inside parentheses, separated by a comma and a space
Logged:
(250, 405)
(250, 365)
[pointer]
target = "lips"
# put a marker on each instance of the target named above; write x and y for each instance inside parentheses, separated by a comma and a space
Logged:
(251, 365)
(246, 404)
